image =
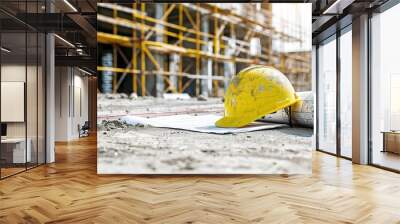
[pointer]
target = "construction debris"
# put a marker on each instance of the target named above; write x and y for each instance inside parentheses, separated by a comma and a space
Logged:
(176, 96)
(112, 124)
(133, 96)
(201, 98)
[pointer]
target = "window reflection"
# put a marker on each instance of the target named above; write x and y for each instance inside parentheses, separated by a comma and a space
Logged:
(327, 97)
(346, 94)
(385, 114)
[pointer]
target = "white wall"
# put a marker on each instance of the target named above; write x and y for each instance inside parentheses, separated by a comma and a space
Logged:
(33, 127)
(62, 82)
(82, 82)
(80, 85)
(14, 73)
(71, 94)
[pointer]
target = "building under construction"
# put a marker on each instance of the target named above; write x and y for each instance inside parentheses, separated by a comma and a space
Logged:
(151, 49)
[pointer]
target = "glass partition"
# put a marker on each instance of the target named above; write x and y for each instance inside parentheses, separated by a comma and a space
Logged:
(35, 87)
(22, 77)
(13, 95)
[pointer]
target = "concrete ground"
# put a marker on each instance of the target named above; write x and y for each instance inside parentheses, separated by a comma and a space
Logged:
(128, 149)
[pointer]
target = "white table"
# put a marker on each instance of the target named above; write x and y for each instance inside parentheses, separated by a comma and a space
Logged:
(18, 149)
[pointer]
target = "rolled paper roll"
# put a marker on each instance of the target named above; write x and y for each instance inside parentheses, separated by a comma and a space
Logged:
(302, 113)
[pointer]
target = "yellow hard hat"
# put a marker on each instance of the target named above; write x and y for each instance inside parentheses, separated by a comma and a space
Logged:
(255, 92)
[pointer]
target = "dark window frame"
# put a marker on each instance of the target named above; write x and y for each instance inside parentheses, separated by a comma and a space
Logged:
(31, 30)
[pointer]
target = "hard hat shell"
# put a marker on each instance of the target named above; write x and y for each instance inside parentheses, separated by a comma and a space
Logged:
(255, 92)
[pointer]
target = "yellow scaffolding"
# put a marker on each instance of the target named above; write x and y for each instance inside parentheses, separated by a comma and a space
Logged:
(190, 40)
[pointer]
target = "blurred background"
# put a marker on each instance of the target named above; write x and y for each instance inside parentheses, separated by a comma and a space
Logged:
(152, 49)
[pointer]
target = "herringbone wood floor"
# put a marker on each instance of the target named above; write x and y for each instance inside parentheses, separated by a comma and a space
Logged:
(70, 191)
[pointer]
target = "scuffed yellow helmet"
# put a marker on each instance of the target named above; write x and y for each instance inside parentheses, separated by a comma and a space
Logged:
(255, 92)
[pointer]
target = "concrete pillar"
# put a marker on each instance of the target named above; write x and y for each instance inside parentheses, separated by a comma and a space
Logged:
(50, 98)
(360, 90)
(174, 69)
(159, 12)
(209, 70)
(206, 63)
(229, 66)
(106, 78)
(63, 101)
(92, 99)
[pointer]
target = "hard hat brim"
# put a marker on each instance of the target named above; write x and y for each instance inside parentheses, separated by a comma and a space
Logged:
(238, 122)
(232, 122)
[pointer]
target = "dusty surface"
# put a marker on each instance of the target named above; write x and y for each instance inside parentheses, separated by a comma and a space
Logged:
(141, 149)
(113, 106)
